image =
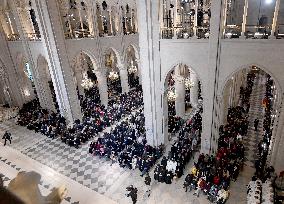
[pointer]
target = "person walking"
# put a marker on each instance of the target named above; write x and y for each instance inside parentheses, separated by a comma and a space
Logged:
(7, 136)
(148, 184)
(132, 193)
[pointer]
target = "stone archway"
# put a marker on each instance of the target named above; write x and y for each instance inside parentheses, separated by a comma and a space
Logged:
(182, 95)
(131, 60)
(117, 77)
(258, 93)
(89, 80)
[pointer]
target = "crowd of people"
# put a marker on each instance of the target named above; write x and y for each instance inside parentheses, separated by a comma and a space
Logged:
(212, 174)
(127, 145)
(95, 119)
(181, 151)
(262, 191)
(175, 123)
(267, 130)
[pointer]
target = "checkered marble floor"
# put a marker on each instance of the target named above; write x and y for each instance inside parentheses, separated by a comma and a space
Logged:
(44, 186)
(20, 140)
(77, 164)
(253, 137)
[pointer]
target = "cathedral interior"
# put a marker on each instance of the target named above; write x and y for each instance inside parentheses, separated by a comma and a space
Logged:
(141, 101)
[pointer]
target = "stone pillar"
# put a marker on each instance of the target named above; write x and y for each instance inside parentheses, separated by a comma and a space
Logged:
(153, 94)
(180, 100)
(80, 17)
(10, 23)
(175, 19)
(124, 79)
(226, 100)
(194, 90)
(244, 19)
(110, 21)
(278, 142)
(79, 78)
(275, 19)
(60, 70)
(102, 85)
(211, 103)
(91, 19)
(195, 19)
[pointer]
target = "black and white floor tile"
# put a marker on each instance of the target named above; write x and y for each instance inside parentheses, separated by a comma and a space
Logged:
(43, 185)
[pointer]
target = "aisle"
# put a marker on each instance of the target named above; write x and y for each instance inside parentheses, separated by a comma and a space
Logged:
(238, 190)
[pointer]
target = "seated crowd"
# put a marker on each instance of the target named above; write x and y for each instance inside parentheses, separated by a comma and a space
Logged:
(212, 174)
(126, 143)
(262, 191)
(95, 118)
(181, 151)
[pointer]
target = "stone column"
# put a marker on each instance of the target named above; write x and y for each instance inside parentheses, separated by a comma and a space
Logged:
(195, 19)
(175, 19)
(60, 70)
(194, 90)
(180, 100)
(79, 78)
(10, 23)
(275, 19)
(124, 79)
(110, 21)
(211, 103)
(244, 19)
(277, 150)
(80, 17)
(102, 85)
(153, 93)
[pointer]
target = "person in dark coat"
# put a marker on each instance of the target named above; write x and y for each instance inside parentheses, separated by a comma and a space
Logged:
(147, 181)
(7, 136)
(169, 177)
(132, 193)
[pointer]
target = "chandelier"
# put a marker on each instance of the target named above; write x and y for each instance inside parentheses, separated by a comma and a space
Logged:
(172, 95)
(188, 83)
(113, 75)
(132, 68)
(86, 82)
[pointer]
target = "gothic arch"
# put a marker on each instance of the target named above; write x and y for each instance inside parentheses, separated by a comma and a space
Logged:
(277, 84)
(117, 57)
(166, 76)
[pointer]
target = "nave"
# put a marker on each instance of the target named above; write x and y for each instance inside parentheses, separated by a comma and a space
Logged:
(98, 175)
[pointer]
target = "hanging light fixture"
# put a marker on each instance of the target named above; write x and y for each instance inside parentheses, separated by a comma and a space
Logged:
(132, 68)
(113, 75)
(86, 82)
(172, 95)
(188, 84)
